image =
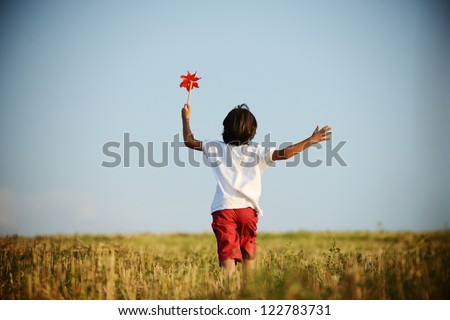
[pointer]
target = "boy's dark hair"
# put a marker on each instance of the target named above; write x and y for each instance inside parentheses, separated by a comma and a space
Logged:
(239, 126)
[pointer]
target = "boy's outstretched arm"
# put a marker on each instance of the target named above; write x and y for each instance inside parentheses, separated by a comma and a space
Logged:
(317, 136)
(188, 136)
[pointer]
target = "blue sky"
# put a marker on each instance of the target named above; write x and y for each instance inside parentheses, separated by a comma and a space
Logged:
(77, 74)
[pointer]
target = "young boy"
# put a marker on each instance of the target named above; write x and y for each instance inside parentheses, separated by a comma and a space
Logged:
(237, 165)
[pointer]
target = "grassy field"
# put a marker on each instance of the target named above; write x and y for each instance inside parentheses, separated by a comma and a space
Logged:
(301, 265)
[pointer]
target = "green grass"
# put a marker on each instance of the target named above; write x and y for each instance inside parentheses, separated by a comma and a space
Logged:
(294, 265)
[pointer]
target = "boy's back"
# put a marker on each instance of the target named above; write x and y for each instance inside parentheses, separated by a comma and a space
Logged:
(238, 172)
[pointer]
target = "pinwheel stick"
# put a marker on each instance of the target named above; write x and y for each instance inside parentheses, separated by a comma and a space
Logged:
(189, 93)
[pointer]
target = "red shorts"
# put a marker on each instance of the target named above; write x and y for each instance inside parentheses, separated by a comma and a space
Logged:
(235, 231)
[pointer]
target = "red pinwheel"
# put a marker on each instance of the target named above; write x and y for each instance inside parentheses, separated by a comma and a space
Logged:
(189, 82)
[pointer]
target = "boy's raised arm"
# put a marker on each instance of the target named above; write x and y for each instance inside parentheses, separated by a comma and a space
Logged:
(317, 136)
(188, 136)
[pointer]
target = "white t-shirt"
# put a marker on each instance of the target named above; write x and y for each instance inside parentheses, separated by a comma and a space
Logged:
(238, 171)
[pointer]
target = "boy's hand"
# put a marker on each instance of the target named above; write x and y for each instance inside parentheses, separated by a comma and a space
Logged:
(320, 135)
(186, 112)
(188, 136)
